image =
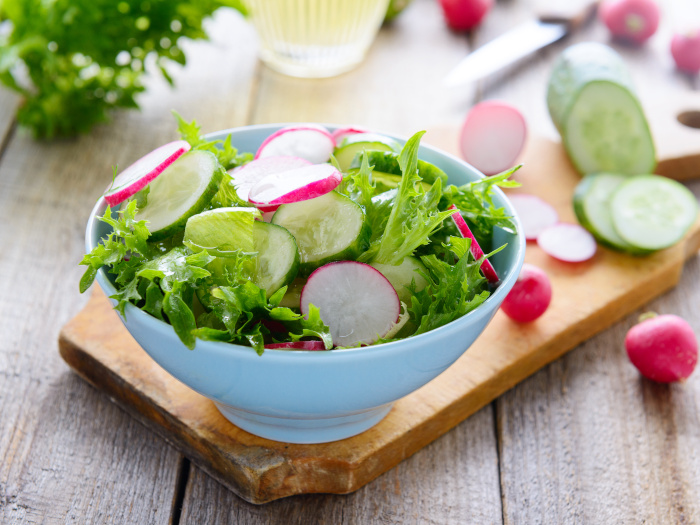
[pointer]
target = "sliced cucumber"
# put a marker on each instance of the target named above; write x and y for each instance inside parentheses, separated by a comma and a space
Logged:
(223, 229)
(278, 257)
(593, 105)
(181, 191)
(402, 275)
(387, 162)
(592, 207)
(292, 299)
(652, 212)
(360, 142)
(328, 228)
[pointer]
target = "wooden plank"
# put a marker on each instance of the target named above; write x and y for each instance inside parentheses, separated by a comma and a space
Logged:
(8, 105)
(453, 480)
(586, 440)
(66, 454)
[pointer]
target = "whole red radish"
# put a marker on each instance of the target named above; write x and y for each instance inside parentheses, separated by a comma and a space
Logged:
(463, 15)
(685, 49)
(663, 348)
(530, 296)
(631, 20)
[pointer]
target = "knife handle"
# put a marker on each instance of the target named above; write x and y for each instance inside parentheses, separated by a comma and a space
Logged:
(573, 13)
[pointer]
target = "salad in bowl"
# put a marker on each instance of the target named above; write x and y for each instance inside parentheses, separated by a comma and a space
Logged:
(329, 270)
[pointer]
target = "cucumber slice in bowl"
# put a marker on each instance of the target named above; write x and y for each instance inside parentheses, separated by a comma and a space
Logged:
(182, 190)
(354, 144)
(402, 275)
(328, 228)
(277, 263)
(651, 212)
(592, 208)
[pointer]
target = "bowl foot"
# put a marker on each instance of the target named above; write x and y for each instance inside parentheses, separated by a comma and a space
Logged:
(304, 430)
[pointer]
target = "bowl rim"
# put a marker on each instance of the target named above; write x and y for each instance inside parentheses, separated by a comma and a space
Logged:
(217, 346)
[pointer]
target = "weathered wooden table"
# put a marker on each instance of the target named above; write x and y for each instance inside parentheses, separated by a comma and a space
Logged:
(583, 441)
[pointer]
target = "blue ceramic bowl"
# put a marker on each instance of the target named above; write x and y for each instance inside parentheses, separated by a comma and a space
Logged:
(316, 397)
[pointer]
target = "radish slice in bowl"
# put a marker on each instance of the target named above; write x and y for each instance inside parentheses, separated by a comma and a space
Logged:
(357, 302)
(341, 134)
(534, 213)
(492, 137)
(567, 242)
(137, 176)
(477, 252)
(308, 141)
(295, 185)
(248, 175)
(297, 345)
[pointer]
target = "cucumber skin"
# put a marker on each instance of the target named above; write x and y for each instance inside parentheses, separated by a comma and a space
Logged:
(388, 162)
(351, 253)
(579, 210)
(577, 66)
(208, 194)
(293, 271)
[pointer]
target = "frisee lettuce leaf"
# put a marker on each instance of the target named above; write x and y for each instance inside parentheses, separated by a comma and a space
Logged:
(226, 154)
(414, 214)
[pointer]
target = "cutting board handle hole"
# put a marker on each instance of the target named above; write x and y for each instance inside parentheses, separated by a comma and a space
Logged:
(690, 119)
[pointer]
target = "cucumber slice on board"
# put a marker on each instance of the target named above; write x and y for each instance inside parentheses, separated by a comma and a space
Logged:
(401, 276)
(594, 106)
(278, 257)
(328, 228)
(182, 190)
(651, 212)
(592, 207)
(387, 162)
(360, 142)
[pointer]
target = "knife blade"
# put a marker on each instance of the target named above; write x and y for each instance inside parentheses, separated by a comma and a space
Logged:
(520, 42)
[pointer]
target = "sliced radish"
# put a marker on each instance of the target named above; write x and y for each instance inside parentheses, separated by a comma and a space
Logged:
(341, 134)
(248, 175)
(567, 242)
(308, 141)
(137, 176)
(295, 185)
(534, 213)
(297, 345)
(357, 302)
(477, 252)
(492, 137)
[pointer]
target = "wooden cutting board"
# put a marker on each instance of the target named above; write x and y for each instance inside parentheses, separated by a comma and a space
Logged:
(587, 298)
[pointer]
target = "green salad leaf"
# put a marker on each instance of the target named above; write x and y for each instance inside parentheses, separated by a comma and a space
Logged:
(413, 215)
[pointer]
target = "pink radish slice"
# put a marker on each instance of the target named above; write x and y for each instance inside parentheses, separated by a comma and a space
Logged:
(248, 175)
(534, 213)
(341, 134)
(492, 137)
(356, 302)
(297, 345)
(308, 141)
(477, 252)
(137, 176)
(295, 185)
(567, 242)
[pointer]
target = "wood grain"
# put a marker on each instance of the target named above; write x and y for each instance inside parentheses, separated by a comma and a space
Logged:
(66, 453)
